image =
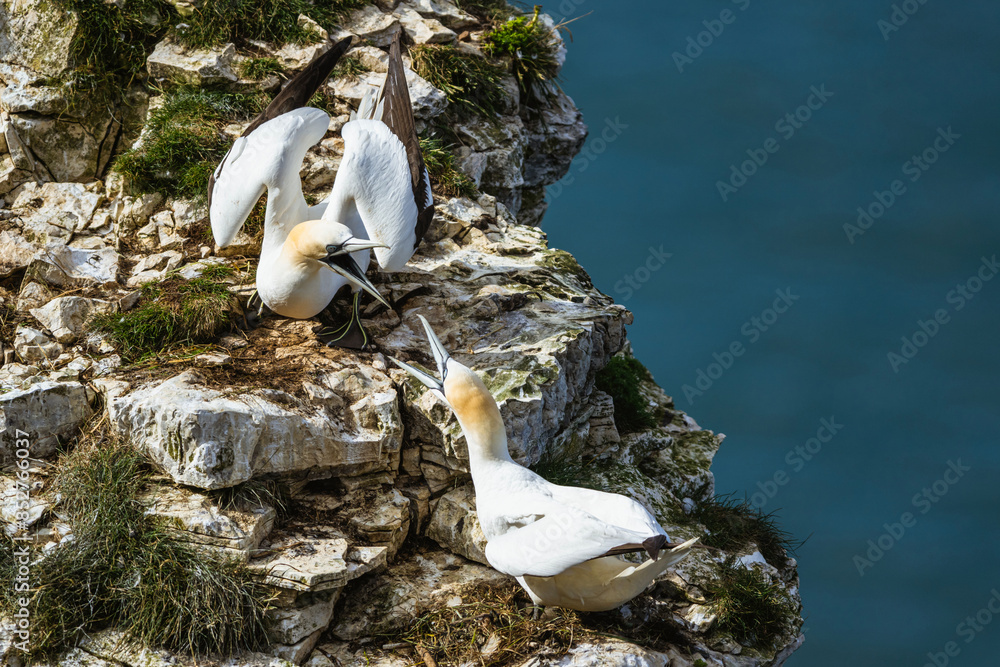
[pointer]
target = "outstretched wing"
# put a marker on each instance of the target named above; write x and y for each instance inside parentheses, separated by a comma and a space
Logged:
(397, 113)
(372, 194)
(294, 95)
(556, 542)
(265, 156)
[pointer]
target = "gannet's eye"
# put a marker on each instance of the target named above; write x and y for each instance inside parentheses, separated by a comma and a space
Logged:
(334, 249)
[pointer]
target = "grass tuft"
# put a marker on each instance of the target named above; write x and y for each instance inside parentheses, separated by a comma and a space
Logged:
(253, 494)
(350, 67)
(111, 44)
(171, 313)
(275, 21)
(733, 524)
(184, 141)
(499, 616)
(621, 379)
(752, 610)
(258, 69)
(440, 163)
(531, 47)
(472, 83)
(121, 570)
(490, 10)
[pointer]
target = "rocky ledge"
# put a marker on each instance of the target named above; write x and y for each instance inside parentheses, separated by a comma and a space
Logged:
(377, 531)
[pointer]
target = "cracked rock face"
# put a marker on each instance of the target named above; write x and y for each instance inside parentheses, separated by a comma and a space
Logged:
(208, 439)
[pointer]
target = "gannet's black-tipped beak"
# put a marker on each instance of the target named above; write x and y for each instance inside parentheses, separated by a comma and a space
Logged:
(342, 263)
(441, 355)
(431, 382)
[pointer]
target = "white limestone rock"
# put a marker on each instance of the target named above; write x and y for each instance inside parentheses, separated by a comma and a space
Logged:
(448, 13)
(210, 439)
(47, 411)
(66, 316)
(455, 526)
(321, 561)
(195, 519)
(55, 211)
(37, 35)
(65, 266)
(32, 345)
(369, 23)
(310, 613)
(190, 66)
(423, 30)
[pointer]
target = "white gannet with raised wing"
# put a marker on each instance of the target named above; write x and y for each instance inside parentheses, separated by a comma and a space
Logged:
(560, 542)
(381, 197)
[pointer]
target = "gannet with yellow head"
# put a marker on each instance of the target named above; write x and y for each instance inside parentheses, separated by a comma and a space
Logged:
(381, 198)
(561, 542)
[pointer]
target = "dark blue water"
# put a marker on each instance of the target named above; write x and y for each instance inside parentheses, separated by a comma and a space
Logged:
(898, 422)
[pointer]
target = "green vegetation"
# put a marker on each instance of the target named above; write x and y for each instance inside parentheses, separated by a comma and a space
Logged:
(457, 635)
(350, 67)
(253, 494)
(121, 570)
(111, 43)
(440, 163)
(531, 47)
(490, 10)
(733, 524)
(621, 379)
(258, 69)
(183, 141)
(751, 609)
(471, 82)
(277, 21)
(171, 313)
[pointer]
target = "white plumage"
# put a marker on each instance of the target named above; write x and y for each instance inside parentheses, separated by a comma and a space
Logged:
(554, 539)
(375, 201)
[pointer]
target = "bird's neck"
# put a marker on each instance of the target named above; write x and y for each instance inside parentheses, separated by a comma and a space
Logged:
(486, 438)
(286, 207)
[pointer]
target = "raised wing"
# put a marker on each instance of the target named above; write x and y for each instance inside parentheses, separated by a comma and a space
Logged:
(296, 94)
(556, 542)
(373, 188)
(397, 114)
(272, 152)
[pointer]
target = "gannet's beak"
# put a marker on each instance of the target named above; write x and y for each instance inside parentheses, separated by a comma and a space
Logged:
(354, 245)
(441, 357)
(340, 261)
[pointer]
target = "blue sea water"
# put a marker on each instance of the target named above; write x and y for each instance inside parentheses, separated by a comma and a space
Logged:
(670, 134)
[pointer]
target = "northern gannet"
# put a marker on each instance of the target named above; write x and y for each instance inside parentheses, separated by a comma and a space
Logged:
(560, 542)
(381, 198)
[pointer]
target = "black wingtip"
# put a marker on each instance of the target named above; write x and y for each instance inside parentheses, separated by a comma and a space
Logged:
(653, 545)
